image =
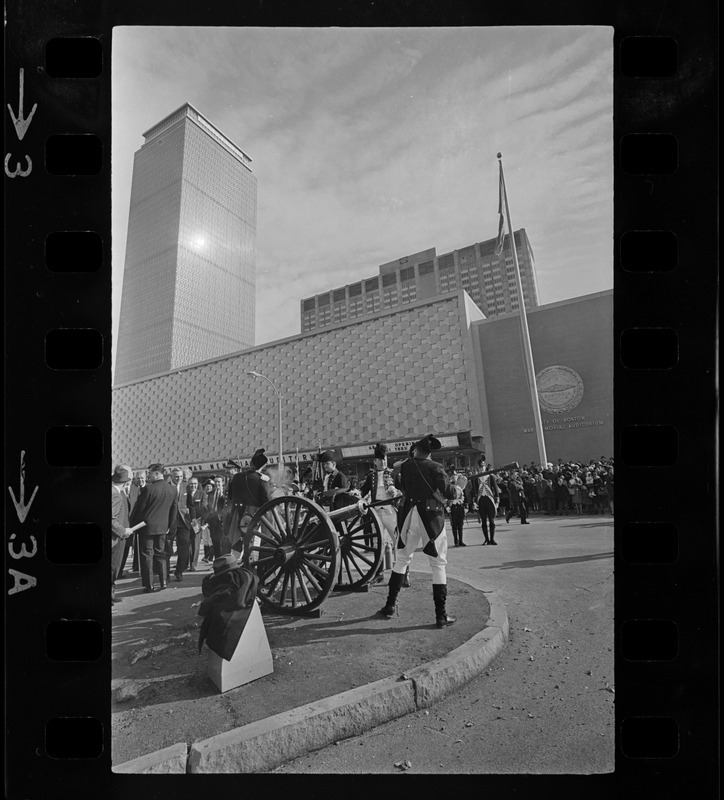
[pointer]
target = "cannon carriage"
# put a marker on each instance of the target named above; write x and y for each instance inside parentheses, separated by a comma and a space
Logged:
(302, 553)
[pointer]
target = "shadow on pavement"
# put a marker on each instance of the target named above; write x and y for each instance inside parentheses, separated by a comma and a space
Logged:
(547, 562)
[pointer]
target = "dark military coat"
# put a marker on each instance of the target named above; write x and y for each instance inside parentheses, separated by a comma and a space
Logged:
(249, 489)
(421, 479)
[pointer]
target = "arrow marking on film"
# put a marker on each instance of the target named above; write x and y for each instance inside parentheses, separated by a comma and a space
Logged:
(20, 507)
(21, 124)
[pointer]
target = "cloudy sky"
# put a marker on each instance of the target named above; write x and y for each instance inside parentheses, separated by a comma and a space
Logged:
(371, 144)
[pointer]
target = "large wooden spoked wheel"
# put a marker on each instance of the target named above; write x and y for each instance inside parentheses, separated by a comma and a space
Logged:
(294, 548)
(360, 547)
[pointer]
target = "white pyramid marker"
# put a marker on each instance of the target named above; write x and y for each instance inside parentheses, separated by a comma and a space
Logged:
(252, 658)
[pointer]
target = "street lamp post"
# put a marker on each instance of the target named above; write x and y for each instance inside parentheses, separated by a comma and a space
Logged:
(279, 404)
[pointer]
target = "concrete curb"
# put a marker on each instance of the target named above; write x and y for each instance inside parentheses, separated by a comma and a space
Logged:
(265, 744)
(268, 743)
(169, 761)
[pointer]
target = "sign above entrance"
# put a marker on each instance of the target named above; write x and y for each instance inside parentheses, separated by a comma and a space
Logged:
(308, 456)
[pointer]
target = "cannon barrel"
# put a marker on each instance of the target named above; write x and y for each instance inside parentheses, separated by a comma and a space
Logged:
(357, 509)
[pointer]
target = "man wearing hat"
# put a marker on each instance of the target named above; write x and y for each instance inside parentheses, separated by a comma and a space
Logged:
(422, 519)
(157, 507)
(120, 524)
(181, 530)
(379, 485)
(213, 516)
(334, 483)
(248, 491)
(131, 493)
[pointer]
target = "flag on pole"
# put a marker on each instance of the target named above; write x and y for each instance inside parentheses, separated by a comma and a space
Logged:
(501, 227)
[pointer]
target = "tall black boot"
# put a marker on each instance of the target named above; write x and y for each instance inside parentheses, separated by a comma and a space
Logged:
(393, 589)
(460, 538)
(439, 593)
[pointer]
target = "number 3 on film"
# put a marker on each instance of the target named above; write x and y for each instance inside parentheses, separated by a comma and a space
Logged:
(21, 127)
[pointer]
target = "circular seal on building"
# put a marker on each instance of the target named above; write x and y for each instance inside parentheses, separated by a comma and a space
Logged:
(560, 389)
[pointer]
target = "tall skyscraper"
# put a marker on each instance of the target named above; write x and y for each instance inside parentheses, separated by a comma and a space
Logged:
(489, 279)
(190, 271)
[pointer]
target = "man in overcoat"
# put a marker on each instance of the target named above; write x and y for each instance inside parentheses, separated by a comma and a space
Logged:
(131, 493)
(423, 520)
(120, 524)
(180, 531)
(157, 508)
(213, 516)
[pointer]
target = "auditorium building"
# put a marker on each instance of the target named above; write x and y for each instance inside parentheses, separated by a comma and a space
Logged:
(435, 365)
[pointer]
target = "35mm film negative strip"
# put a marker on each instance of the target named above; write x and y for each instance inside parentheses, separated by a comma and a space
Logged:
(58, 457)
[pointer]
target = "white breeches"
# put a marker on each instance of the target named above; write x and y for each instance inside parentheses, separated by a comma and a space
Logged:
(414, 535)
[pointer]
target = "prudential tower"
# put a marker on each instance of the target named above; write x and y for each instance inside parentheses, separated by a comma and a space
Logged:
(189, 282)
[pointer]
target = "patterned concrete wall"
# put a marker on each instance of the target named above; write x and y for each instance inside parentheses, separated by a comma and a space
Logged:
(398, 376)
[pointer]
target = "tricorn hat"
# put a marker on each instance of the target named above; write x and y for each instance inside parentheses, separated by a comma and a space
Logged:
(259, 459)
(381, 450)
(231, 464)
(224, 563)
(328, 455)
(428, 443)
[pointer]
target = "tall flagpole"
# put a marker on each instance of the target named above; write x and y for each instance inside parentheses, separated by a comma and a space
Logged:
(527, 350)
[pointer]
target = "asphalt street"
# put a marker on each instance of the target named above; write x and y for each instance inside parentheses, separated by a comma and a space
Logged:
(546, 704)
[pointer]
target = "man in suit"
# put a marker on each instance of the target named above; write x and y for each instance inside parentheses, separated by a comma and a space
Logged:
(194, 502)
(157, 507)
(180, 531)
(120, 524)
(212, 515)
(131, 492)
(423, 520)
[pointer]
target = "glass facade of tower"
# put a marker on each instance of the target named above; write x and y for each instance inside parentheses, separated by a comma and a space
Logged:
(190, 271)
(489, 279)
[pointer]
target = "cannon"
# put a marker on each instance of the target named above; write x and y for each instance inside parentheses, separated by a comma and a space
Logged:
(302, 553)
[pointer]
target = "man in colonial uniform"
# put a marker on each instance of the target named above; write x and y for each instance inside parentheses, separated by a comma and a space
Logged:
(248, 491)
(488, 494)
(379, 485)
(334, 483)
(456, 507)
(423, 519)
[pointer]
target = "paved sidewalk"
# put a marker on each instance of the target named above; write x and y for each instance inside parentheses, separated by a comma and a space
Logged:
(338, 668)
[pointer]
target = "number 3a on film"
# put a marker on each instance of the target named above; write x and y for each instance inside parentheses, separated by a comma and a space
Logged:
(21, 125)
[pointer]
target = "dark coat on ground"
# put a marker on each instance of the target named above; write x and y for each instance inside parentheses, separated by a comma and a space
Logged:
(227, 603)
(157, 507)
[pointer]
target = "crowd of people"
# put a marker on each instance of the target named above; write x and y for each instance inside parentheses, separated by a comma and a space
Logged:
(157, 509)
(563, 488)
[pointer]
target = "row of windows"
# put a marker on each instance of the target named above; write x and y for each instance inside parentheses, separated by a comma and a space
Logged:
(498, 301)
(469, 275)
